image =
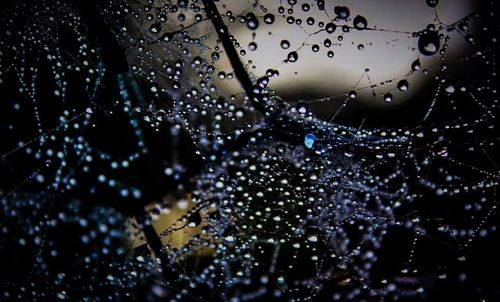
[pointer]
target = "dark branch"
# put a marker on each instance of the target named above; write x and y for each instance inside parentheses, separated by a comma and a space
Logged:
(239, 70)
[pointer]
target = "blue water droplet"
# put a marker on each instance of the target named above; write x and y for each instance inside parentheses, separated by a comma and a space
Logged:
(309, 140)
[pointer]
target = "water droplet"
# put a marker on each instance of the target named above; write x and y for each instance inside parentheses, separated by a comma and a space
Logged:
(360, 22)
(330, 28)
(428, 43)
(388, 97)
(415, 66)
(285, 44)
(313, 238)
(252, 21)
(403, 85)
(269, 18)
(309, 140)
(292, 56)
(252, 46)
(155, 28)
(167, 37)
(450, 89)
(302, 107)
(432, 3)
(342, 12)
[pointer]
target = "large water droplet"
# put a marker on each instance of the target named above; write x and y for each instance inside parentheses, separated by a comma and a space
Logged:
(415, 66)
(432, 3)
(360, 22)
(252, 46)
(428, 43)
(155, 28)
(450, 88)
(388, 97)
(269, 18)
(309, 140)
(330, 28)
(252, 21)
(342, 12)
(285, 44)
(292, 56)
(403, 85)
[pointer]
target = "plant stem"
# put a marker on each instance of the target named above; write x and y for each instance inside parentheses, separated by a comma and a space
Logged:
(239, 70)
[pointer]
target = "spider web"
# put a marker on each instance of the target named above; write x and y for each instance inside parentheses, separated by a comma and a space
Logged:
(379, 189)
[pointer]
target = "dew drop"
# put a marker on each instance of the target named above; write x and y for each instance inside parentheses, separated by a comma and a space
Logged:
(155, 28)
(285, 44)
(309, 140)
(167, 37)
(330, 28)
(428, 43)
(252, 46)
(302, 107)
(403, 85)
(269, 18)
(342, 12)
(252, 21)
(388, 97)
(432, 3)
(292, 56)
(415, 66)
(360, 22)
(450, 89)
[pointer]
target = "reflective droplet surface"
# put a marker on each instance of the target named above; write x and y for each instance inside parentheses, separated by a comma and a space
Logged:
(450, 88)
(403, 85)
(330, 28)
(360, 22)
(428, 43)
(269, 18)
(309, 140)
(252, 46)
(388, 97)
(285, 44)
(415, 66)
(342, 12)
(252, 21)
(432, 3)
(292, 56)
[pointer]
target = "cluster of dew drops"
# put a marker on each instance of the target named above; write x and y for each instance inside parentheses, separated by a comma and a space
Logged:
(301, 207)
(308, 195)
